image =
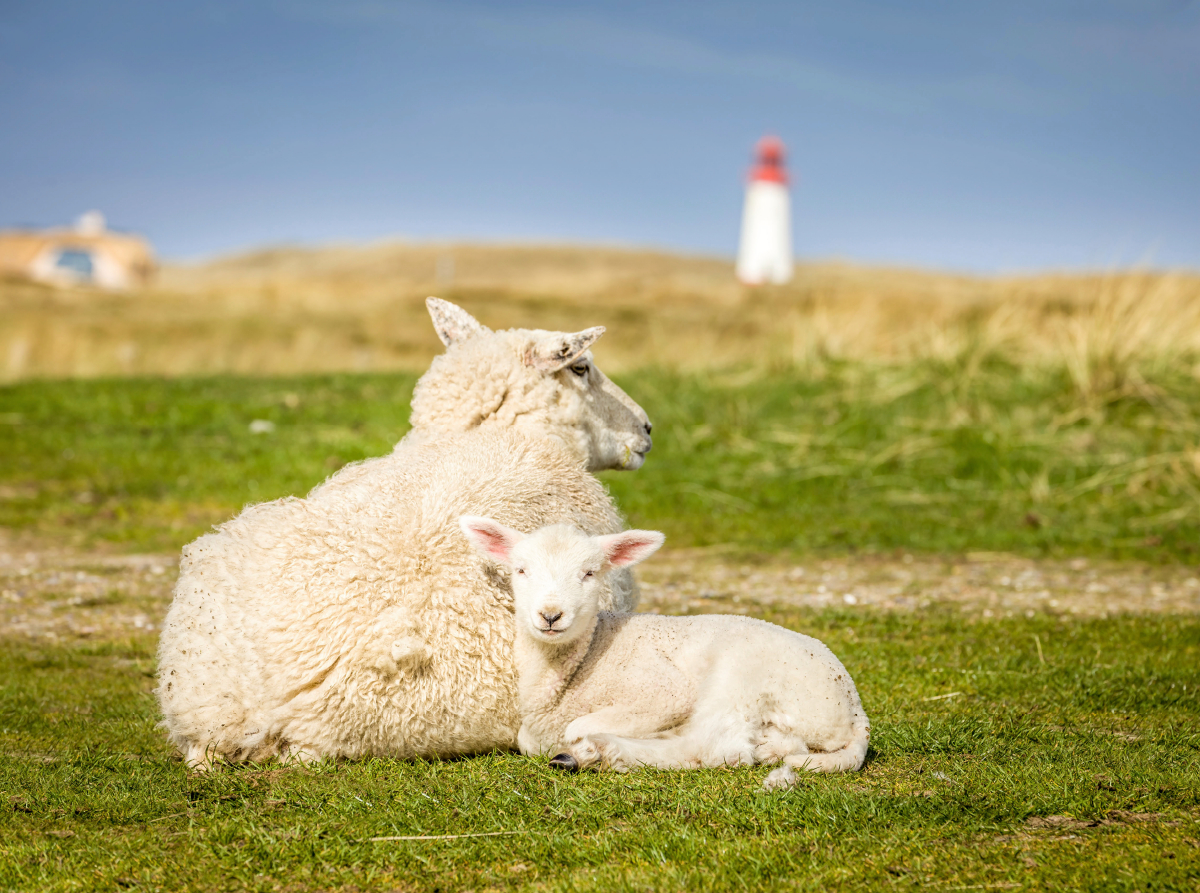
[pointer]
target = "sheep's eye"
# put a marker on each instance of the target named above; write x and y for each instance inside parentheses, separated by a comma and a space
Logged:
(580, 369)
(589, 574)
(521, 571)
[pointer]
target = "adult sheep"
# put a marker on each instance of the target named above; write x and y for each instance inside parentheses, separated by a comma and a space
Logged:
(357, 621)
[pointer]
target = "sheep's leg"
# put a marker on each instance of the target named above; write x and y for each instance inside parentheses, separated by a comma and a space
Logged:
(526, 742)
(201, 757)
(300, 754)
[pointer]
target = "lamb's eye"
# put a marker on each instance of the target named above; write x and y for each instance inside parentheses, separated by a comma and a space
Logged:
(589, 574)
(521, 571)
(580, 369)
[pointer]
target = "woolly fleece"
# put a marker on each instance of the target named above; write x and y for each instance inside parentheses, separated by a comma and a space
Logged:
(356, 621)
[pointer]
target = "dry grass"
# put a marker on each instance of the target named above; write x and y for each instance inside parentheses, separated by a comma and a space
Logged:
(358, 309)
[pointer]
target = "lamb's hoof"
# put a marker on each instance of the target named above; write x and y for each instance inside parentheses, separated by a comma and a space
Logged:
(565, 762)
(780, 779)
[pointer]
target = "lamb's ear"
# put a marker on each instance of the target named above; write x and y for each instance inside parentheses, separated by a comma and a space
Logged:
(630, 547)
(558, 350)
(452, 323)
(490, 538)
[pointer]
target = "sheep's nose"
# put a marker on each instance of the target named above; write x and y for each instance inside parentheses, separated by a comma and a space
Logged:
(649, 427)
(551, 618)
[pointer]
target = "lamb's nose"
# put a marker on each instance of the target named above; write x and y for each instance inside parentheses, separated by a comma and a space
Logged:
(550, 618)
(649, 427)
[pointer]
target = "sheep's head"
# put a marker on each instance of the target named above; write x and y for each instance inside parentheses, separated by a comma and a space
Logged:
(557, 570)
(533, 379)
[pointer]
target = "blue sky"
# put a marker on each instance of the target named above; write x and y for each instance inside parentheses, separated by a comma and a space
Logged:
(978, 136)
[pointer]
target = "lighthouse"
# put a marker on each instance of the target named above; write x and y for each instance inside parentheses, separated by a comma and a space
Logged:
(765, 252)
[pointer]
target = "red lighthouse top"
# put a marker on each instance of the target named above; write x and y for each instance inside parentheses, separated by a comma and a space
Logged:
(769, 161)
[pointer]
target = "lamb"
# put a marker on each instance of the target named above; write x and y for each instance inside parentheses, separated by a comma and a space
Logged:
(619, 690)
(356, 621)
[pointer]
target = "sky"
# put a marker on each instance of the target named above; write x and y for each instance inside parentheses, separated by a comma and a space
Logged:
(978, 136)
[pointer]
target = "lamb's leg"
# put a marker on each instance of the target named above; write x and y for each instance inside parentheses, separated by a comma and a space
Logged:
(622, 754)
(784, 776)
(526, 742)
(608, 722)
(846, 759)
(626, 723)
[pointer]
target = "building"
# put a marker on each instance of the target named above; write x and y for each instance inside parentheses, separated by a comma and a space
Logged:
(765, 252)
(88, 254)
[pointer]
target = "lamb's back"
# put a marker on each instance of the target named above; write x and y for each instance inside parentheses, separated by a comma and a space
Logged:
(714, 651)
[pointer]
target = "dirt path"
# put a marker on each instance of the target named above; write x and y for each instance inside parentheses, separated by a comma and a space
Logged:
(989, 584)
(58, 592)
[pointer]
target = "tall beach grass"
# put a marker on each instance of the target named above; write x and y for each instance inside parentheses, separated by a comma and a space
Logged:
(290, 311)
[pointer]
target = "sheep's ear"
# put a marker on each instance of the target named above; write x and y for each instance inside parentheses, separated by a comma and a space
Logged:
(490, 538)
(560, 349)
(452, 323)
(630, 547)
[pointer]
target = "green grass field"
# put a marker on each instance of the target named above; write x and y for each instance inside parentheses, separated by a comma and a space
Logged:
(1076, 771)
(856, 458)
(1044, 752)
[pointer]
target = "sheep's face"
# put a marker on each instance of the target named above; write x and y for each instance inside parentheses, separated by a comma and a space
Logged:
(613, 430)
(546, 381)
(557, 570)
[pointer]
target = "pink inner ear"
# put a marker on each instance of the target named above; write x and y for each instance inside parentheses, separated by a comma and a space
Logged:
(493, 542)
(630, 551)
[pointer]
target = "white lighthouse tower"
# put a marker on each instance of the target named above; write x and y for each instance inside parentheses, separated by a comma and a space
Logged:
(765, 253)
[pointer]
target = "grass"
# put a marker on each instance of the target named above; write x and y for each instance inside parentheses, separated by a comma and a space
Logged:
(291, 311)
(151, 463)
(855, 411)
(1033, 753)
(928, 456)
(1069, 760)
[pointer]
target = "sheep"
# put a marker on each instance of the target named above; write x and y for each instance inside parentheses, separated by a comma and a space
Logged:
(618, 690)
(519, 379)
(356, 621)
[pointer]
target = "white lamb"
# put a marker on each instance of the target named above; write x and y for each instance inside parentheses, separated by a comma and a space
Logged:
(357, 620)
(620, 690)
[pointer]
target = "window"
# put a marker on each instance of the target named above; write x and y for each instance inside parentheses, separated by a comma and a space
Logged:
(77, 261)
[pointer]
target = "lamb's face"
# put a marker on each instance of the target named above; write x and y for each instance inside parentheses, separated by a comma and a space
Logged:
(556, 575)
(556, 571)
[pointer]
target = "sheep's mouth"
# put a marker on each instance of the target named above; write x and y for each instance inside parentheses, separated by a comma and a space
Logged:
(634, 458)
